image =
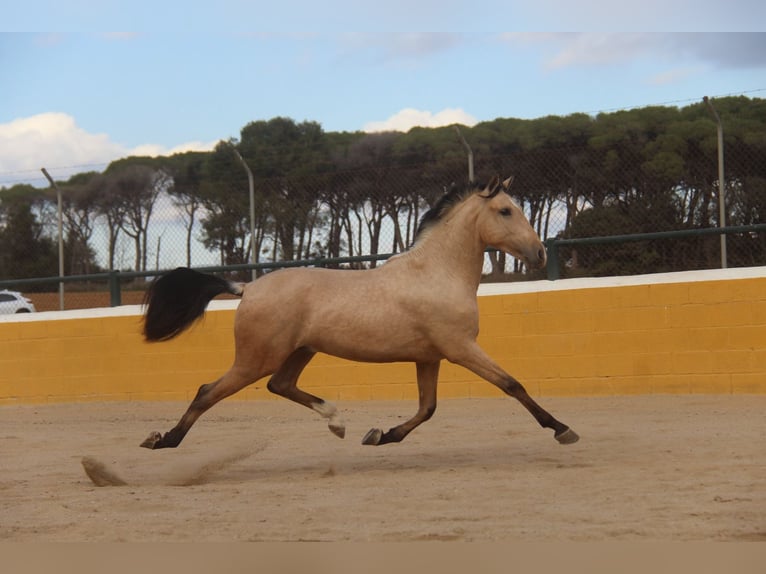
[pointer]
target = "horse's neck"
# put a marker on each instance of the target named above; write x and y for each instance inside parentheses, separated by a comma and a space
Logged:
(453, 247)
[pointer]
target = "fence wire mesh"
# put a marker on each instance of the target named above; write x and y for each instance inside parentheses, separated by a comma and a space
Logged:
(194, 209)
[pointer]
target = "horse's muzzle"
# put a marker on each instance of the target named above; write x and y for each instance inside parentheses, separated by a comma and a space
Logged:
(537, 259)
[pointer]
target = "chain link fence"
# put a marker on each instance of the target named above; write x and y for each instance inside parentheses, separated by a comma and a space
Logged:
(148, 217)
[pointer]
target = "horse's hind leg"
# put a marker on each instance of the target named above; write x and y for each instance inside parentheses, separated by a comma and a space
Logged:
(284, 383)
(428, 374)
(475, 359)
(208, 395)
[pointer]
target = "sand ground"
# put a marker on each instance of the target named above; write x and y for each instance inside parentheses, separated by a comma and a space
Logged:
(655, 468)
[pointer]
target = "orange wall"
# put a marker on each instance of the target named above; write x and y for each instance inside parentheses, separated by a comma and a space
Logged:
(572, 337)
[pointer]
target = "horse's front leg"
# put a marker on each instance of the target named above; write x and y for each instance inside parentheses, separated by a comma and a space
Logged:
(475, 359)
(428, 374)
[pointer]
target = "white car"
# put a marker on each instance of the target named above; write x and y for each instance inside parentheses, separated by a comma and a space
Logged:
(14, 302)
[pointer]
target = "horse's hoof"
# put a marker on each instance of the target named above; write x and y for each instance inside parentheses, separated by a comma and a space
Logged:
(337, 429)
(373, 437)
(152, 440)
(567, 437)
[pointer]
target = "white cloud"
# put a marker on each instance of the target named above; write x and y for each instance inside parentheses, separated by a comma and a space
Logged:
(649, 15)
(565, 49)
(408, 118)
(598, 49)
(721, 50)
(670, 76)
(55, 141)
(154, 150)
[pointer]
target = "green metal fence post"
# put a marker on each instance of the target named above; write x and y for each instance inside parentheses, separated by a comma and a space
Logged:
(552, 266)
(115, 297)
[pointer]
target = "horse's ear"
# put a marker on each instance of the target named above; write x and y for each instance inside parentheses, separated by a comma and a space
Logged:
(507, 184)
(493, 187)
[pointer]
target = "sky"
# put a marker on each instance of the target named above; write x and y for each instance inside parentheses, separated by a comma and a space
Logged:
(74, 97)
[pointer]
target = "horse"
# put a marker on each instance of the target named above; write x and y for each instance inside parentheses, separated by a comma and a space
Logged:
(419, 306)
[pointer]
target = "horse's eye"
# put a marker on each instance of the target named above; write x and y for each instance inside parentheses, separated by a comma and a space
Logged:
(505, 212)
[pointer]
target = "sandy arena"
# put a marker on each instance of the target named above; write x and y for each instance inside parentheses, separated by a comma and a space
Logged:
(656, 468)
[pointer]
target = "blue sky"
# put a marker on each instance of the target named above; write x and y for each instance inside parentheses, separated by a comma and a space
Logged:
(75, 99)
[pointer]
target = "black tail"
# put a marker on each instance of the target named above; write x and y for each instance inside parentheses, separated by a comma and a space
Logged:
(176, 299)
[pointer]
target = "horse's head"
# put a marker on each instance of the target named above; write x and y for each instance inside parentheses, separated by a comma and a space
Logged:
(503, 225)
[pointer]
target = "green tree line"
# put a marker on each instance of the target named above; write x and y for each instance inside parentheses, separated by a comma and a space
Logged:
(329, 194)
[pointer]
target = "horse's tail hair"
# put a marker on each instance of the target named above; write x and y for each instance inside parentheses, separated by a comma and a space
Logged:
(177, 298)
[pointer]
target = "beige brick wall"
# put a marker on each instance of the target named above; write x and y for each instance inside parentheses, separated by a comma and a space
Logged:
(676, 333)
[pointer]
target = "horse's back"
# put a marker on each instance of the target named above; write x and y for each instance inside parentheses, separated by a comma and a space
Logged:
(295, 285)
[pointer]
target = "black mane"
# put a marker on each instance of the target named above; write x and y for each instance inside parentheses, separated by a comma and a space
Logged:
(446, 202)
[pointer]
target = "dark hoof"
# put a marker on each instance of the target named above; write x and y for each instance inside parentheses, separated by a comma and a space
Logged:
(152, 440)
(567, 436)
(373, 437)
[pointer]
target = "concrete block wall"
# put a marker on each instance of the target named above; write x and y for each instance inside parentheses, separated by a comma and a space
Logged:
(694, 332)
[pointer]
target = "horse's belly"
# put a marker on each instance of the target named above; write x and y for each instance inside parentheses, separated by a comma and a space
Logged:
(377, 347)
(380, 355)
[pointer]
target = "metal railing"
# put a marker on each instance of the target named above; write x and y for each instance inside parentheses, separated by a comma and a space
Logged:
(114, 279)
(552, 244)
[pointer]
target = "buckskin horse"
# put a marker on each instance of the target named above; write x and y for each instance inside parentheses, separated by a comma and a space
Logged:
(420, 307)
